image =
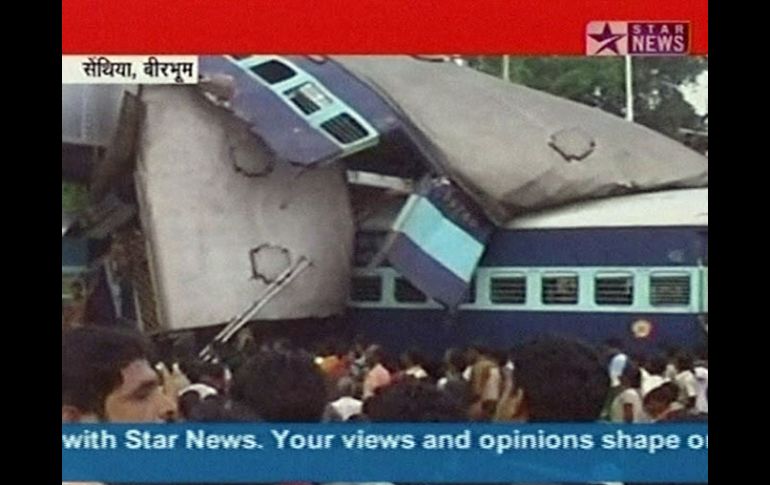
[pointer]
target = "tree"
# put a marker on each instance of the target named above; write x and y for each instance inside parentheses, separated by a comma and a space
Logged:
(600, 82)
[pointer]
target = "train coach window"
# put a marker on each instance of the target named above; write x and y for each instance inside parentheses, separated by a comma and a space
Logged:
(507, 289)
(560, 289)
(366, 288)
(273, 72)
(670, 290)
(407, 293)
(614, 289)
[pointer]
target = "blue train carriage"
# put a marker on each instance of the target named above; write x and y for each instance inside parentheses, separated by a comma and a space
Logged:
(633, 267)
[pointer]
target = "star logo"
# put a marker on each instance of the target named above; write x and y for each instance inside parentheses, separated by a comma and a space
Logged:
(602, 40)
(607, 39)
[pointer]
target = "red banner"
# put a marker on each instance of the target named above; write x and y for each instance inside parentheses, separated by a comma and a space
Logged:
(356, 26)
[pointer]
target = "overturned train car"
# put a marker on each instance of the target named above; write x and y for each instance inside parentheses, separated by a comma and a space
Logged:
(632, 268)
(216, 190)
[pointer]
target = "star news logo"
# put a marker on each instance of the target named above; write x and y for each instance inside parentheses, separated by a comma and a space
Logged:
(608, 38)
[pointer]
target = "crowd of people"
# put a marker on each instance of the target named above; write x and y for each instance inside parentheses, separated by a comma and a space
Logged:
(112, 375)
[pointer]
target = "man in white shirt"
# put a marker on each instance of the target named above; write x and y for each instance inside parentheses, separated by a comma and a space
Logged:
(685, 379)
(654, 377)
(347, 405)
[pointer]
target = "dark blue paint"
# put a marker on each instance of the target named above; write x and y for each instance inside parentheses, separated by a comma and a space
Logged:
(613, 246)
(433, 331)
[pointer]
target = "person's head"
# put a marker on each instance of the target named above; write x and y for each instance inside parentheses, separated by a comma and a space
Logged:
(500, 356)
(209, 373)
(702, 353)
(631, 377)
(374, 355)
(656, 365)
(559, 379)
(215, 409)
(483, 351)
(120, 257)
(411, 358)
(347, 387)
(454, 360)
(106, 376)
(359, 345)
(671, 352)
(658, 400)
(282, 386)
(683, 361)
(192, 396)
(412, 400)
(77, 289)
(472, 352)
(613, 346)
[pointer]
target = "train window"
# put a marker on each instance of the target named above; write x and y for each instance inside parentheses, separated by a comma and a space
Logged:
(669, 290)
(273, 71)
(614, 289)
(366, 288)
(344, 128)
(407, 293)
(560, 290)
(508, 289)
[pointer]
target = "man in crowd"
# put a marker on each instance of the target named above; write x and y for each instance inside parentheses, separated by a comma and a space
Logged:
(558, 380)
(347, 405)
(655, 374)
(282, 385)
(685, 379)
(377, 376)
(486, 384)
(107, 377)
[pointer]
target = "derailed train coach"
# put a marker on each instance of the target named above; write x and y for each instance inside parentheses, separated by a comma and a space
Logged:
(632, 269)
(410, 201)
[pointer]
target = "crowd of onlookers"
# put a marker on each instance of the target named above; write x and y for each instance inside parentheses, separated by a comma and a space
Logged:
(548, 379)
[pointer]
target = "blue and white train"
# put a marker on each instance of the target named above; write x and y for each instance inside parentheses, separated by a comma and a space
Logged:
(633, 268)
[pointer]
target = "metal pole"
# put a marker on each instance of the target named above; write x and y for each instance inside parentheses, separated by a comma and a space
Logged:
(244, 317)
(629, 90)
(507, 68)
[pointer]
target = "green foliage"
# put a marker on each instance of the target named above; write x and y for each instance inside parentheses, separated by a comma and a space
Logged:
(600, 82)
(74, 197)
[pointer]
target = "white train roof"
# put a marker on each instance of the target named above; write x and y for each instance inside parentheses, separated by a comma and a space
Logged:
(684, 207)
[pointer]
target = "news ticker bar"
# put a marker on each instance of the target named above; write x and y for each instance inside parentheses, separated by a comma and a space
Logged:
(353, 452)
(101, 69)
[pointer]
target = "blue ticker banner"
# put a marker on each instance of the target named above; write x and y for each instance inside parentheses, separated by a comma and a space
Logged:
(357, 452)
